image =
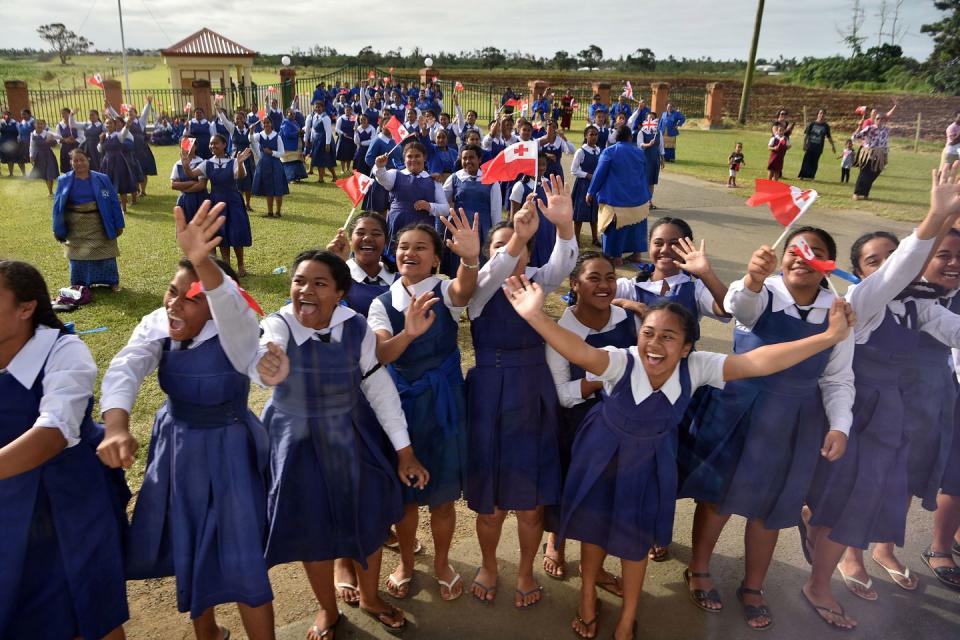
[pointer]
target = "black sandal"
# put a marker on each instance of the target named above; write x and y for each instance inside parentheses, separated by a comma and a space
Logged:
(805, 543)
(752, 612)
(391, 612)
(699, 597)
(955, 548)
(949, 576)
(587, 625)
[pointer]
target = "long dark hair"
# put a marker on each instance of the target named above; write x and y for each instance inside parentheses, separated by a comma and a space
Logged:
(856, 249)
(28, 285)
(584, 258)
(385, 260)
(691, 328)
(338, 268)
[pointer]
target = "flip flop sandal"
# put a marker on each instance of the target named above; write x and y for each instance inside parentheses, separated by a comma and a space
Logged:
(346, 586)
(817, 608)
(659, 554)
(561, 572)
(397, 584)
(699, 597)
(596, 619)
(805, 543)
(897, 576)
(326, 633)
(850, 581)
(395, 546)
(955, 548)
(752, 612)
(450, 585)
(486, 589)
(523, 595)
(606, 585)
(378, 616)
(949, 576)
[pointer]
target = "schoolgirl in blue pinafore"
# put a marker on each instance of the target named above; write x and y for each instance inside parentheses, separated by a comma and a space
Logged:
(44, 162)
(653, 153)
(556, 149)
(269, 178)
(25, 127)
(67, 130)
(346, 147)
(546, 235)
(950, 481)
(362, 140)
(430, 383)
(114, 162)
(514, 421)
(142, 154)
(91, 138)
(443, 160)
(470, 194)
(362, 291)
(201, 130)
(320, 138)
(582, 210)
(61, 568)
(378, 198)
(408, 189)
(292, 163)
(319, 440)
(222, 175)
(240, 141)
(188, 201)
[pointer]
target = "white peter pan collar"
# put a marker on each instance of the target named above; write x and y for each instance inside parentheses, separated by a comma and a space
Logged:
(359, 275)
(422, 174)
(640, 383)
(400, 299)
(301, 334)
(463, 176)
(569, 321)
(28, 362)
(782, 298)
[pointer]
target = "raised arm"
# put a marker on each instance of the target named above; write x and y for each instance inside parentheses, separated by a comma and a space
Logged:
(465, 242)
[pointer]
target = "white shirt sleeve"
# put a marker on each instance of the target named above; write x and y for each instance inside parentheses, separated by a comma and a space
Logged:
(705, 301)
(236, 322)
(280, 148)
(941, 323)
(377, 317)
(490, 279)
(448, 193)
(496, 207)
(227, 124)
(632, 120)
(566, 145)
(386, 177)
(616, 368)
(626, 289)
(837, 386)
(745, 305)
(141, 356)
(486, 142)
(274, 330)
(706, 369)
(562, 260)
(69, 376)
(568, 391)
(575, 169)
(144, 114)
(439, 206)
(516, 194)
(382, 394)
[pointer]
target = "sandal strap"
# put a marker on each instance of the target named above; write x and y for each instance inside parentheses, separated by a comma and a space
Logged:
(930, 553)
(698, 574)
(753, 592)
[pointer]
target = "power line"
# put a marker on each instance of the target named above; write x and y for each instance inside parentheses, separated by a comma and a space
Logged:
(87, 17)
(154, 18)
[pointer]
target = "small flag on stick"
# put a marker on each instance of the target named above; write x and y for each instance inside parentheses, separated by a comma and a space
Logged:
(787, 203)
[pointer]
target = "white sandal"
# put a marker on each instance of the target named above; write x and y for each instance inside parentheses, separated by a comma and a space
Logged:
(866, 586)
(905, 575)
(450, 585)
(346, 586)
(396, 584)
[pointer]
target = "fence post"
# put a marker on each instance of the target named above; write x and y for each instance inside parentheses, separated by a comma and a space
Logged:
(916, 139)
(660, 96)
(113, 93)
(17, 97)
(804, 116)
(713, 110)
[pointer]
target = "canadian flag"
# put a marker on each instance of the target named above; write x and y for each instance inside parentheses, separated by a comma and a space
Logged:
(458, 86)
(356, 186)
(397, 130)
(628, 90)
(787, 203)
(96, 80)
(515, 160)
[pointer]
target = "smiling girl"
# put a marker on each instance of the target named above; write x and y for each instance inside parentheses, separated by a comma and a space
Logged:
(319, 439)
(200, 512)
(415, 197)
(465, 190)
(762, 438)
(371, 273)
(620, 491)
(420, 346)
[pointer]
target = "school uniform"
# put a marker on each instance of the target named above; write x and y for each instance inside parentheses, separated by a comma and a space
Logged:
(365, 288)
(670, 123)
(24, 129)
(467, 192)
(346, 147)
(584, 164)
(141, 150)
(621, 488)
(189, 202)
(654, 153)
(201, 512)
(275, 116)
(405, 189)
(115, 161)
(269, 178)
(377, 198)
(430, 382)
(291, 159)
(603, 137)
(221, 173)
(41, 155)
(240, 142)
(362, 138)
(872, 474)
(624, 201)
(546, 234)
(442, 161)
(557, 148)
(373, 116)
(513, 424)
(68, 130)
(9, 142)
(320, 437)
(682, 289)
(758, 441)
(950, 480)
(319, 135)
(61, 565)
(201, 130)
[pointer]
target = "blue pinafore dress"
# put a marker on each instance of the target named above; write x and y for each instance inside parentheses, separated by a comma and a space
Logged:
(115, 164)
(223, 188)
(546, 235)
(333, 494)
(514, 423)
(201, 512)
(66, 131)
(45, 165)
(361, 294)
(241, 142)
(201, 132)
(621, 488)
(346, 147)
(757, 441)
(582, 210)
(430, 383)
(407, 189)
(554, 167)
(141, 150)
(189, 202)
(652, 155)
(863, 496)
(319, 156)
(269, 178)
(91, 136)
(293, 168)
(473, 197)
(61, 561)
(950, 481)
(359, 156)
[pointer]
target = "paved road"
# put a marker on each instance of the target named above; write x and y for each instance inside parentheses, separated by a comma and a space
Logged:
(732, 231)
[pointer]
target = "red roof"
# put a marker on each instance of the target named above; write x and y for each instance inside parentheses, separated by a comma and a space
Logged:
(208, 43)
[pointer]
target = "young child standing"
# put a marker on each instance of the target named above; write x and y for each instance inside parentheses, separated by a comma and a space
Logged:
(778, 146)
(200, 514)
(584, 163)
(846, 161)
(735, 162)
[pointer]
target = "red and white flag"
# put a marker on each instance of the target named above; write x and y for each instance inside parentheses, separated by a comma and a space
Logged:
(218, 97)
(628, 90)
(271, 89)
(649, 125)
(861, 110)
(397, 130)
(787, 203)
(802, 249)
(458, 86)
(372, 75)
(196, 289)
(96, 80)
(512, 102)
(187, 108)
(517, 159)
(356, 186)
(125, 108)
(574, 104)
(524, 106)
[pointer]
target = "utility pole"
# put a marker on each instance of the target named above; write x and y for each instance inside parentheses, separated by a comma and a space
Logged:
(751, 63)
(123, 47)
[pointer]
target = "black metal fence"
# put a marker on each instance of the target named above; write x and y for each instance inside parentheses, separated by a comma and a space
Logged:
(690, 101)
(47, 103)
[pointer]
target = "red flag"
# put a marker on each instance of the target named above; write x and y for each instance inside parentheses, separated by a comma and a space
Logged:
(396, 129)
(187, 107)
(372, 75)
(271, 89)
(804, 251)
(861, 110)
(125, 108)
(515, 160)
(196, 289)
(512, 102)
(186, 143)
(458, 86)
(356, 186)
(261, 114)
(96, 80)
(786, 203)
(435, 78)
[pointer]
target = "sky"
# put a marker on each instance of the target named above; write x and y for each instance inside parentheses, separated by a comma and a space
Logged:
(720, 29)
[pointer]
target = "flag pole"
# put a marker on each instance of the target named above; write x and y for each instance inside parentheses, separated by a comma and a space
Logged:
(782, 236)
(347, 221)
(832, 288)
